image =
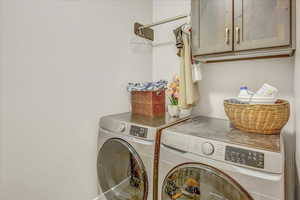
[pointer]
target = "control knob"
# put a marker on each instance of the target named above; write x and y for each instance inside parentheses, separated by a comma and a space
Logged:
(122, 128)
(208, 148)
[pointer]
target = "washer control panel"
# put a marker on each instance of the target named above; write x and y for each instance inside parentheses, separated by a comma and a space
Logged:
(138, 131)
(244, 157)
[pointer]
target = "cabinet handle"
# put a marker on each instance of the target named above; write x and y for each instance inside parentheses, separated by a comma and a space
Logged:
(238, 35)
(227, 35)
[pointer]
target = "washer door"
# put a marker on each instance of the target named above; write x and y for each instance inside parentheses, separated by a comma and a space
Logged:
(121, 172)
(195, 181)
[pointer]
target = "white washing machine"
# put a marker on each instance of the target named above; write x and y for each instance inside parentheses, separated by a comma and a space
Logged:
(203, 158)
(126, 145)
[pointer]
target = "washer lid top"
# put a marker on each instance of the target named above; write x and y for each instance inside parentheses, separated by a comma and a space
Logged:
(221, 130)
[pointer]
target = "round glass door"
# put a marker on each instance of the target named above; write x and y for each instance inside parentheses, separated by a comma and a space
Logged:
(201, 182)
(121, 172)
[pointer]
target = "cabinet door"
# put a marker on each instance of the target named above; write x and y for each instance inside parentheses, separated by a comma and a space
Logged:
(212, 26)
(261, 24)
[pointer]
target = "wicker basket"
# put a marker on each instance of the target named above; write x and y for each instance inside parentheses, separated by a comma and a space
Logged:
(263, 119)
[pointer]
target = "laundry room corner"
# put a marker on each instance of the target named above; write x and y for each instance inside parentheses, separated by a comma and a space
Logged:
(149, 100)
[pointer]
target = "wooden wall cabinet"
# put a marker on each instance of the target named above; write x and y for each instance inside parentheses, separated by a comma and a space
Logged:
(242, 29)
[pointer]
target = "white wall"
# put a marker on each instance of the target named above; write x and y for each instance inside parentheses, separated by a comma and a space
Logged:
(297, 98)
(63, 64)
(222, 80)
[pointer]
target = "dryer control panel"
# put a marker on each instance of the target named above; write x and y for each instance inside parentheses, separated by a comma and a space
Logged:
(244, 157)
(138, 131)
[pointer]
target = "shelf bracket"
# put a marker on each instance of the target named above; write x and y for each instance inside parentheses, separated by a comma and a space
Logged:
(146, 33)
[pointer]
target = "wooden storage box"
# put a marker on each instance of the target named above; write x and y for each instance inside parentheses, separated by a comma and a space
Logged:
(148, 103)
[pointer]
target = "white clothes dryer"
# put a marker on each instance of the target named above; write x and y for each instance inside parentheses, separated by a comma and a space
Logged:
(204, 158)
(126, 145)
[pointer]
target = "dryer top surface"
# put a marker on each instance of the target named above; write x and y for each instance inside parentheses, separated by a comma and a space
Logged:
(140, 120)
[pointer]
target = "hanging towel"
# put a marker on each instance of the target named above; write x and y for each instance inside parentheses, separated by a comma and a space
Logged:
(187, 88)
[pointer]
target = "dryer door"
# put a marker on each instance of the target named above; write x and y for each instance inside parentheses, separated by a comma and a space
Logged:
(195, 181)
(121, 172)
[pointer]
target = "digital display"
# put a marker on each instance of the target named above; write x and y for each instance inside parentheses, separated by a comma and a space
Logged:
(138, 131)
(244, 157)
